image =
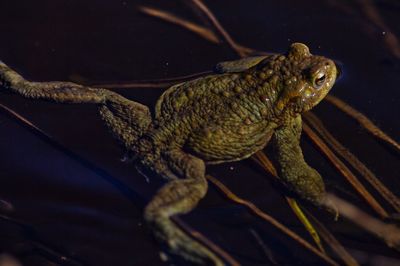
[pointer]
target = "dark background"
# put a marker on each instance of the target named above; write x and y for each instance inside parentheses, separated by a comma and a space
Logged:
(79, 200)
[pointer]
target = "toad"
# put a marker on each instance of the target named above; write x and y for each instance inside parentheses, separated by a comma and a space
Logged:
(222, 117)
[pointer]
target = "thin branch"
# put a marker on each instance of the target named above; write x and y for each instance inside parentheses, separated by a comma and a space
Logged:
(201, 31)
(317, 124)
(153, 83)
(390, 39)
(261, 158)
(240, 50)
(198, 236)
(348, 259)
(192, 27)
(388, 232)
(357, 115)
(307, 224)
(333, 243)
(132, 85)
(42, 247)
(232, 43)
(266, 250)
(345, 171)
(205, 241)
(372, 22)
(363, 120)
(23, 120)
(230, 195)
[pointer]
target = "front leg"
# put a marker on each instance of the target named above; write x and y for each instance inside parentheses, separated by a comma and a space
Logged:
(180, 196)
(239, 65)
(304, 180)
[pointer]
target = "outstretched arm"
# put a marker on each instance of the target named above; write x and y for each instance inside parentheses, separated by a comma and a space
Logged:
(293, 170)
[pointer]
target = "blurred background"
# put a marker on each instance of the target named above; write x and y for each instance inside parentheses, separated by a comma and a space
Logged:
(72, 201)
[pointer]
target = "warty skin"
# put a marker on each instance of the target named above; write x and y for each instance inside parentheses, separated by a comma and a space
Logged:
(227, 116)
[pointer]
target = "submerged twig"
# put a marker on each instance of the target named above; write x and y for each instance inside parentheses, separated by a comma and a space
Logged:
(307, 224)
(201, 31)
(362, 119)
(264, 161)
(153, 83)
(205, 241)
(40, 246)
(317, 124)
(333, 243)
(373, 22)
(266, 250)
(261, 159)
(197, 235)
(240, 50)
(195, 28)
(345, 171)
(389, 37)
(229, 194)
(388, 232)
(23, 120)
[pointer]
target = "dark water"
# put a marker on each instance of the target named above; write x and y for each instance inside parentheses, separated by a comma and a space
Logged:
(79, 200)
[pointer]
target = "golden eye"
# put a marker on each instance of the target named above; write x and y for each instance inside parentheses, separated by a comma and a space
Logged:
(319, 80)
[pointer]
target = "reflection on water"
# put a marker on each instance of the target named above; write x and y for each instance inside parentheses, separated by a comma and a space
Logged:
(78, 204)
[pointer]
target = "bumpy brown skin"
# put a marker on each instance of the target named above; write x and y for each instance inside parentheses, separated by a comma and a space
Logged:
(218, 118)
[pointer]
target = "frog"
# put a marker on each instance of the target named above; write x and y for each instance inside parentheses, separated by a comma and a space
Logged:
(223, 117)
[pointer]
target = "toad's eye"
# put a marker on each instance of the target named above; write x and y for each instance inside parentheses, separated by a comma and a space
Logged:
(319, 80)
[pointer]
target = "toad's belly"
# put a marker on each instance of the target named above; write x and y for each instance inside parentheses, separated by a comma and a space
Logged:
(219, 145)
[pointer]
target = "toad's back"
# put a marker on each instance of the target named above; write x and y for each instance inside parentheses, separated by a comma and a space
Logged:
(218, 117)
(230, 116)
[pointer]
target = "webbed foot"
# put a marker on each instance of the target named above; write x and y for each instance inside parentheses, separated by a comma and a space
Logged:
(180, 196)
(180, 244)
(307, 183)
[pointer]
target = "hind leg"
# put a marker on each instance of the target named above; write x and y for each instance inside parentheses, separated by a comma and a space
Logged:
(127, 120)
(57, 91)
(180, 196)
